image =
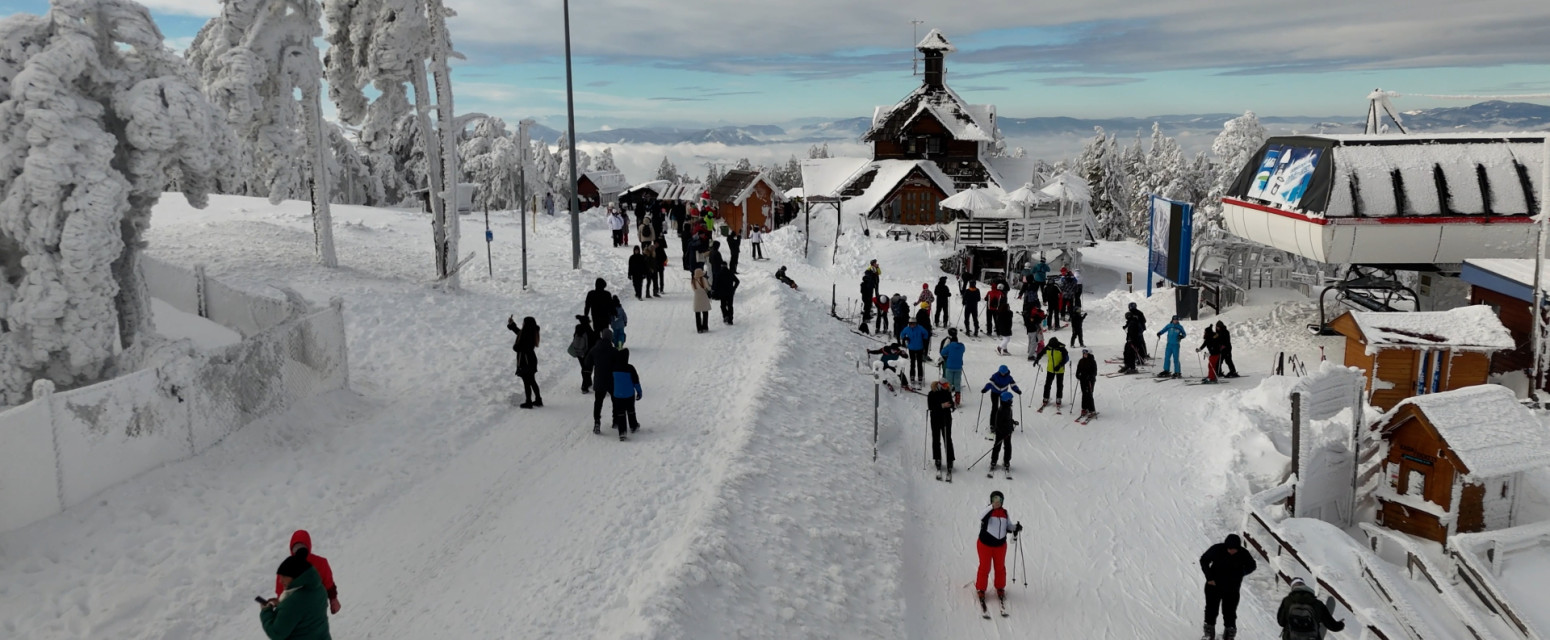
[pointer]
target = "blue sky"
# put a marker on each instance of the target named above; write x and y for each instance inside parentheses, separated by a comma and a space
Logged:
(694, 64)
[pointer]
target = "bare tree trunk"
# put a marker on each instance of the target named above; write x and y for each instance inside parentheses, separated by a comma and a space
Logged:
(428, 136)
(446, 122)
(322, 216)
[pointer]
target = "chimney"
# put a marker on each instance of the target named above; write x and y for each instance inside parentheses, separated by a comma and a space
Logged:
(934, 48)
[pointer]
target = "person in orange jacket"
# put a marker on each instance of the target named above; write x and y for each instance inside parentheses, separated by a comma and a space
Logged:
(301, 541)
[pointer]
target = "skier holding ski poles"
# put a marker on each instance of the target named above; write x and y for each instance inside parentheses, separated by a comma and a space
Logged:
(1176, 334)
(995, 526)
(1001, 425)
(1086, 378)
(1055, 370)
(1001, 382)
(940, 405)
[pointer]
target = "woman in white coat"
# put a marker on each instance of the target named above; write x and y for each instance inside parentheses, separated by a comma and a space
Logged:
(701, 287)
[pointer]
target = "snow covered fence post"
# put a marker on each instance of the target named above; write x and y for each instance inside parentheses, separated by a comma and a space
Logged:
(1291, 501)
(877, 384)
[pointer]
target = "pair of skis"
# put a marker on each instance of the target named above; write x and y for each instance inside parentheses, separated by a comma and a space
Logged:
(1046, 404)
(1086, 417)
(949, 475)
(985, 609)
(992, 473)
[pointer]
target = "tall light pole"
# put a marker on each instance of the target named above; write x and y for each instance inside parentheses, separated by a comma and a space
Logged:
(1537, 373)
(570, 125)
(915, 55)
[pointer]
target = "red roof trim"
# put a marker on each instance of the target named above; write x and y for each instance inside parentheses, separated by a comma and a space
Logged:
(1387, 220)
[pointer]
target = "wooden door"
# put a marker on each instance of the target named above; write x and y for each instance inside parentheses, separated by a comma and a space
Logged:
(917, 206)
(1471, 508)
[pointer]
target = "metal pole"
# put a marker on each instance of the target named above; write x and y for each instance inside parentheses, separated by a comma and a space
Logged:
(570, 118)
(1538, 338)
(876, 398)
(807, 233)
(1296, 443)
(488, 238)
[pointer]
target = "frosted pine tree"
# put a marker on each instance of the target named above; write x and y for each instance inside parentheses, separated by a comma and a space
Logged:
(97, 118)
(605, 160)
(491, 159)
(667, 170)
(1240, 138)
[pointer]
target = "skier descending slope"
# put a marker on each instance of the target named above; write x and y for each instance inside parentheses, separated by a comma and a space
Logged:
(1224, 565)
(1002, 424)
(995, 525)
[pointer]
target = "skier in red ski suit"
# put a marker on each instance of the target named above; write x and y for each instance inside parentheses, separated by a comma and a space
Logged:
(301, 540)
(995, 525)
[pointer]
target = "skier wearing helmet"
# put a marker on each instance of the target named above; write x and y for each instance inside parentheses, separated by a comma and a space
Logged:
(1001, 425)
(1001, 382)
(995, 526)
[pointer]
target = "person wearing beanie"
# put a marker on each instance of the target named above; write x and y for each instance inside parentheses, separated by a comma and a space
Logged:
(995, 525)
(1086, 379)
(1001, 425)
(1003, 315)
(1000, 382)
(581, 341)
(901, 314)
(944, 293)
(625, 391)
(601, 359)
(723, 287)
(923, 302)
(952, 364)
(599, 306)
(916, 338)
(1224, 565)
(1176, 334)
(1135, 342)
(1303, 617)
(939, 405)
(869, 296)
(993, 305)
(301, 544)
(1054, 371)
(301, 610)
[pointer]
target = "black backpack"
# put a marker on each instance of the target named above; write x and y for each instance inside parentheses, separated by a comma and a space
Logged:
(578, 346)
(1302, 622)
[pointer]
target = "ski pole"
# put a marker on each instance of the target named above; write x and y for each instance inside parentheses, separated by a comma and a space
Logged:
(1024, 558)
(982, 457)
(926, 448)
(978, 412)
(1021, 418)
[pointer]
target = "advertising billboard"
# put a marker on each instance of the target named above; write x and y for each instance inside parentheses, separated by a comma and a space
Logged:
(1284, 175)
(1168, 244)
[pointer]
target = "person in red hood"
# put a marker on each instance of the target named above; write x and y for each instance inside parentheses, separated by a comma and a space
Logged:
(302, 542)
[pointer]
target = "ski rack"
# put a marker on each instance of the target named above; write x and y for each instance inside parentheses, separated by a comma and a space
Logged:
(1365, 287)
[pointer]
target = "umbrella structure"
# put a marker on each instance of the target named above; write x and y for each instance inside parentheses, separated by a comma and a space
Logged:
(1026, 198)
(1067, 187)
(974, 201)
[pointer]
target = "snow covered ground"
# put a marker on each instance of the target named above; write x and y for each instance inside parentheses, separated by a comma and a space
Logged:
(748, 506)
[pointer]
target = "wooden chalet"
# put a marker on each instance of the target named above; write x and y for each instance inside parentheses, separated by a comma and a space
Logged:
(933, 123)
(1455, 461)
(1423, 352)
(745, 198)
(1506, 285)
(598, 188)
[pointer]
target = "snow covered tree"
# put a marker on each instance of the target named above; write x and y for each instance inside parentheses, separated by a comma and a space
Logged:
(816, 152)
(1099, 164)
(712, 174)
(97, 117)
(253, 59)
(1240, 138)
(547, 166)
(491, 159)
(667, 170)
(563, 184)
(744, 164)
(789, 175)
(348, 173)
(605, 160)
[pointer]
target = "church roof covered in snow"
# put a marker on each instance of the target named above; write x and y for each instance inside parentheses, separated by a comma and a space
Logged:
(935, 41)
(963, 121)
(870, 185)
(1377, 176)
(1486, 427)
(1472, 328)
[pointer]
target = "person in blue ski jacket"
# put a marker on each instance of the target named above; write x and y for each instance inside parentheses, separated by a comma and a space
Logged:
(1038, 274)
(625, 391)
(1000, 382)
(952, 364)
(1176, 334)
(915, 338)
(619, 322)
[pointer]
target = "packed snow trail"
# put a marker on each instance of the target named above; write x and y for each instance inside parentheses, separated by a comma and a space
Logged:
(448, 512)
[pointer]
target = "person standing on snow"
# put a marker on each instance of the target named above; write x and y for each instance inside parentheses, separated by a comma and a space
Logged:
(1302, 616)
(637, 270)
(1033, 323)
(735, 246)
(971, 308)
(301, 545)
(301, 610)
(868, 296)
(616, 225)
(626, 390)
(882, 303)
(617, 325)
(1038, 275)
(1055, 371)
(1001, 425)
(1086, 379)
(701, 301)
(601, 358)
(924, 301)
(1077, 316)
(952, 364)
(599, 306)
(939, 403)
(1135, 328)
(724, 284)
(1176, 334)
(944, 294)
(1053, 305)
(901, 314)
(756, 241)
(1224, 565)
(526, 347)
(581, 341)
(915, 338)
(992, 306)
(995, 526)
(1224, 339)
(1213, 348)
(658, 276)
(1000, 382)
(1003, 316)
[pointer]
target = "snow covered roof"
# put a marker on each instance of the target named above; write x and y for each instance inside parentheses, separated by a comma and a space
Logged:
(682, 192)
(1486, 427)
(960, 123)
(935, 41)
(607, 181)
(738, 184)
(825, 176)
(1472, 328)
(1384, 175)
(656, 186)
(885, 175)
(964, 121)
(1508, 276)
(794, 193)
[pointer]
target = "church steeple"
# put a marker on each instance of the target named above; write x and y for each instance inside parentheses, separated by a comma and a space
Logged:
(934, 49)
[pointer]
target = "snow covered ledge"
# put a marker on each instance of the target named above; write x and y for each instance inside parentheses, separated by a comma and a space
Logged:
(62, 448)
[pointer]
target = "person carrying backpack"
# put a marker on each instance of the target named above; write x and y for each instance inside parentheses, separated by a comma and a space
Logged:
(581, 342)
(1224, 565)
(901, 314)
(1302, 616)
(626, 390)
(993, 305)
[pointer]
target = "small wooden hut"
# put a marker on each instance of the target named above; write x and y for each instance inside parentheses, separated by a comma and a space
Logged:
(1455, 461)
(745, 198)
(598, 188)
(1416, 353)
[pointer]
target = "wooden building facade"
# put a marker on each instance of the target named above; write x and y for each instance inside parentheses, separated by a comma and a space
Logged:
(1455, 461)
(1412, 354)
(1506, 285)
(746, 198)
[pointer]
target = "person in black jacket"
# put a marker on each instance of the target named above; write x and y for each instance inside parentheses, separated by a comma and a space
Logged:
(1224, 565)
(601, 359)
(943, 294)
(1086, 378)
(1002, 425)
(527, 359)
(638, 270)
(970, 295)
(1077, 316)
(581, 342)
(868, 293)
(600, 306)
(1053, 305)
(1135, 343)
(1303, 617)
(1224, 341)
(1004, 327)
(735, 245)
(723, 284)
(940, 405)
(1213, 347)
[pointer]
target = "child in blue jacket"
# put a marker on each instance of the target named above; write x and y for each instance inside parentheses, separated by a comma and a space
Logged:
(626, 390)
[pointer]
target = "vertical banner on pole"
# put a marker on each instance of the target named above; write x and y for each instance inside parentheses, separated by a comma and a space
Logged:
(1169, 232)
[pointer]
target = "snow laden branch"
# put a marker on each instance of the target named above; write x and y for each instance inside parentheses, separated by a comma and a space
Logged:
(97, 119)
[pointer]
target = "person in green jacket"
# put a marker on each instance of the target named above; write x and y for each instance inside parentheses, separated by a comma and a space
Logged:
(301, 611)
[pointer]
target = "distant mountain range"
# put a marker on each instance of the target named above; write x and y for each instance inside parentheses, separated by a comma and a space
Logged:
(1485, 116)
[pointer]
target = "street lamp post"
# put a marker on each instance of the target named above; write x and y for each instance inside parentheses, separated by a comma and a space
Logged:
(570, 116)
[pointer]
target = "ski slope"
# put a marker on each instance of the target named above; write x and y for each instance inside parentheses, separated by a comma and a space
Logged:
(748, 506)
